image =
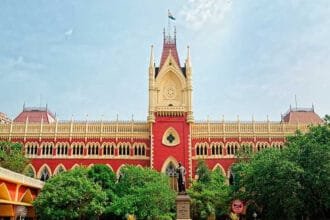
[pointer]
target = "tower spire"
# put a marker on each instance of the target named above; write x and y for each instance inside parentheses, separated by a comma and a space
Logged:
(152, 61)
(188, 63)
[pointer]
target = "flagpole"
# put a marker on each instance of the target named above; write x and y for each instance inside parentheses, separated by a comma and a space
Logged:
(168, 24)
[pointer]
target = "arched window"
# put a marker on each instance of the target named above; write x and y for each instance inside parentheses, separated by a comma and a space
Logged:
(139, 149)
(124, 149)
(31, 149)
(143, 150)
(201, 149)
(232, 148)
(62, 149)
(29, 171)
(44, 174)
(216, 148)
(47, 149)
(59, 169)
(108, 149)
(77, 149)
(93, 149)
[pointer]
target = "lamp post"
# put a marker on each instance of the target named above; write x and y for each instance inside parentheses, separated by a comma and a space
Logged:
(254, 215)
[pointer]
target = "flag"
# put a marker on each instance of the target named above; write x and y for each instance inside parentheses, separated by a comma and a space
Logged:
(170, 16)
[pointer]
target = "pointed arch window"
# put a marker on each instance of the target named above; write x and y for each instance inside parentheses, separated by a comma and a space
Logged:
(216, 149)
(139, 149)
(45, 175)
(232, 148)
(47, 149)
(124, 149)
(77, 149)
(108, 149)
(93, 149)
(62, 149)
(29, 171)
(31, 149)
(201, 149)
(60, 169)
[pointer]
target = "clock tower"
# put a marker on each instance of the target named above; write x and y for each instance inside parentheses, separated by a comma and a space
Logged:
(170, 108)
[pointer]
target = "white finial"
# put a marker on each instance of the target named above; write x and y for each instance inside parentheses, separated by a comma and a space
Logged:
(152, 62)
(188, 63)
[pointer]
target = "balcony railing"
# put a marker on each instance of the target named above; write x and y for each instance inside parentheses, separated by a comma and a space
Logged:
(72, 129)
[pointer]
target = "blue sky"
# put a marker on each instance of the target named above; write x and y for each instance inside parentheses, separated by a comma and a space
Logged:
(249, 57)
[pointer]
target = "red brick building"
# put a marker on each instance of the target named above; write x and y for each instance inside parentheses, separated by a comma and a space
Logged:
(169, 135)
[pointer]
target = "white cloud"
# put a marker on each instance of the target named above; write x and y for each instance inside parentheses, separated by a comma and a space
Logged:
(198, 13)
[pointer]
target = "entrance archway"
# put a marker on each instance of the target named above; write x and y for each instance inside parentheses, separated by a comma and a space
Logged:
(169, 168)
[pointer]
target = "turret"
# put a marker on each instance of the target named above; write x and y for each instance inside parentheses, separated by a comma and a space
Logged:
(151, 117)
(188, 69)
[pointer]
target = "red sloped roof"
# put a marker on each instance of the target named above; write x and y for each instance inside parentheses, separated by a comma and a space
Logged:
(169, 46)
(302, 116)
(35, 115)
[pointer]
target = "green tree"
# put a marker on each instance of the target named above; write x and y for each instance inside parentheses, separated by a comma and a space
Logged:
(292, 182)
(272, 182)
(70, 195)
(327, 119)
(209, 194)
(11, 157)
(311, 151)
(143, 192)
(203, 172)
(106, 179)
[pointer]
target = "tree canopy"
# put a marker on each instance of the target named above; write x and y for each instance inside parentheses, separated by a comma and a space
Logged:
(11, 156)
(209, 194)
(143, 192)
(291, 182)
(106, 179)
(70, 195)
(93, 192)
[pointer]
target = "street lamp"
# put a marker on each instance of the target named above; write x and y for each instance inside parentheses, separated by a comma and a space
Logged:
(254, 215)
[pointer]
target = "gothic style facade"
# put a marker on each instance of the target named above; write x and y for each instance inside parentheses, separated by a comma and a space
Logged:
(169, 135)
